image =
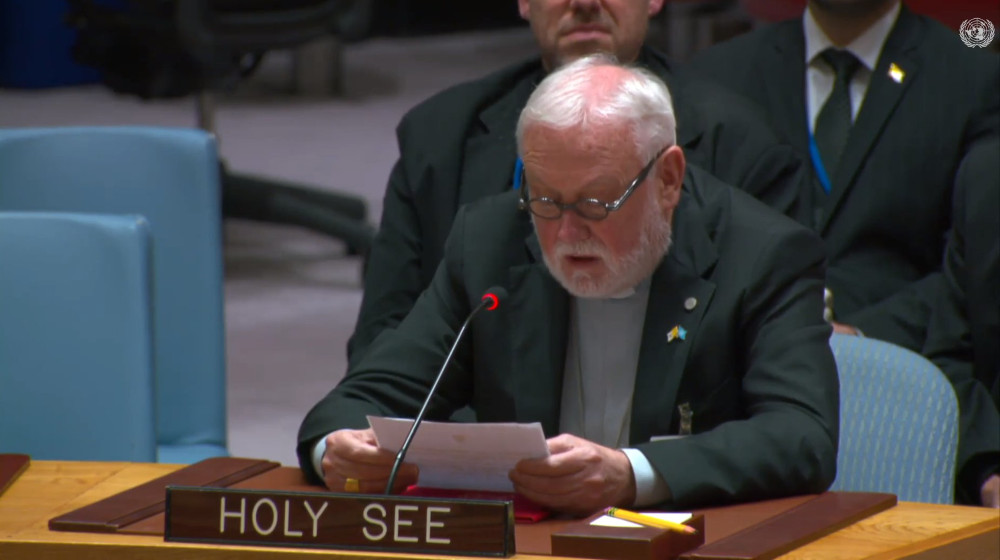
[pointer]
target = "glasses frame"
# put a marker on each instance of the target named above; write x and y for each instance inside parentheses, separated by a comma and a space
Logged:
(524, 203)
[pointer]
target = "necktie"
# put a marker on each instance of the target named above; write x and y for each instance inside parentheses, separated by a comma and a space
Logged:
(833, 123)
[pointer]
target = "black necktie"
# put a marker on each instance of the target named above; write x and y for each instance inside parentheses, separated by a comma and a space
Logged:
(833, 123)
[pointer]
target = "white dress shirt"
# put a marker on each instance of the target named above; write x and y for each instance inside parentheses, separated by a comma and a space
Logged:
(820, 76)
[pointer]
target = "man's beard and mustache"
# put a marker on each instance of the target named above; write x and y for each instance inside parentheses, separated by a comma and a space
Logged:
(620, 273)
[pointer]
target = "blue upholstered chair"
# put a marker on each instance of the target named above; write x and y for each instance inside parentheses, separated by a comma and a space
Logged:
(898, 422)
(76, 348)
(171, 177)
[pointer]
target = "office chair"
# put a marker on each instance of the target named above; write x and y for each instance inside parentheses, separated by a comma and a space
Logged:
(684, 27)
(898, 422)
(175, 48)
(170, 177)
(76, 347)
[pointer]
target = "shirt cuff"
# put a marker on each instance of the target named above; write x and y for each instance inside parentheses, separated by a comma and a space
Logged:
(317, 455)
(650, 488)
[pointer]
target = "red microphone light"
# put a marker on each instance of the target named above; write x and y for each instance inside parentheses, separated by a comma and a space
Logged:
(494, 301)
(493, 297)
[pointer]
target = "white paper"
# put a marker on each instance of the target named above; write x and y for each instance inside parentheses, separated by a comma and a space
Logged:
(463, 456)
(608, 521)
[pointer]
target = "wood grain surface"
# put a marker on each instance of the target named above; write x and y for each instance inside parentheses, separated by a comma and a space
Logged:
(51, 488)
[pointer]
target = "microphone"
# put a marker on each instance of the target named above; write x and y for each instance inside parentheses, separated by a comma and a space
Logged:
(490, 301)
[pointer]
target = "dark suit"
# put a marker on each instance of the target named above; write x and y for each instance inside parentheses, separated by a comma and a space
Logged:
(459, 146)
(756, 366)
(889, 206)
(963, 335)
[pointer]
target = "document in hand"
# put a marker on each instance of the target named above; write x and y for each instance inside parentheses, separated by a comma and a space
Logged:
(463, 456)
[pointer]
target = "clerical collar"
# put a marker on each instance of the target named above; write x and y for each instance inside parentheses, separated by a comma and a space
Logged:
(642, 287)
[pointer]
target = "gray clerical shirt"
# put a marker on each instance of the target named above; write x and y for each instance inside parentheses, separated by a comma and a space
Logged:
(602, 356)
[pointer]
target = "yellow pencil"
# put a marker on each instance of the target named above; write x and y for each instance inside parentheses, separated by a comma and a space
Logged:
(649, 520)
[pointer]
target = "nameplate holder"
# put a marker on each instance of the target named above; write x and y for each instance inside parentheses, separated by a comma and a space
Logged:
(584, 540)
(371, 522)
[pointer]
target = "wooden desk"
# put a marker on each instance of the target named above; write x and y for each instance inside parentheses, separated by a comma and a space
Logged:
(50, 488)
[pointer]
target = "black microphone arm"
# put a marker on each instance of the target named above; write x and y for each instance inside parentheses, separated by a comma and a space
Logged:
(491, 300)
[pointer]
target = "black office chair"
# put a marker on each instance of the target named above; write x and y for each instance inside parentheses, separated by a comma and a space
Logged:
(174, 48)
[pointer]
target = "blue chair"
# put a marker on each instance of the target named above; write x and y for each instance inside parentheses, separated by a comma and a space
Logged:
(898, 422)
(76, 348)
(171, 177)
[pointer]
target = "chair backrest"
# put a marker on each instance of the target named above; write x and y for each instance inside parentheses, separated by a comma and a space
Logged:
(76, 349)
(171, 48)
(255, 25)
(898, 422)
(171, 177)
(223, 36)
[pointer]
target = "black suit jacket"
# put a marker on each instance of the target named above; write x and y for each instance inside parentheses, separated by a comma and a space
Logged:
(459, 146)
(963, 336)
(885, 219)
(756, 365)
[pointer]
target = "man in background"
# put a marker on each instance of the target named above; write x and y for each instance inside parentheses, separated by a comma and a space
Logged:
(885, 104)
(963, 337)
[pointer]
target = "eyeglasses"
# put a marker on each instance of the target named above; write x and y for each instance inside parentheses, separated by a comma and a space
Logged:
(588, 208)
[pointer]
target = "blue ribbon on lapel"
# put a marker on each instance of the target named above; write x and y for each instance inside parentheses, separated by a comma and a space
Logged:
(518, 169)
(824, 179)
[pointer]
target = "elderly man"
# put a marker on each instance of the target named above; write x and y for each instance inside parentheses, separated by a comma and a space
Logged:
(638, 309)
(458, 146)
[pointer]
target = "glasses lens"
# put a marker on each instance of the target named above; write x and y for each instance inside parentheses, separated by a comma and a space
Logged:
(592, 209)
(544, 208)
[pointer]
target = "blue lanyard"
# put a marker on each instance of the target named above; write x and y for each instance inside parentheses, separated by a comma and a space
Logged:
(824, 179)
(518, 168)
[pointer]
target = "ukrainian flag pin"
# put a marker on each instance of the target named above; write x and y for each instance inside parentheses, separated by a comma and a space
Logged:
(896, 73)
(677, 333)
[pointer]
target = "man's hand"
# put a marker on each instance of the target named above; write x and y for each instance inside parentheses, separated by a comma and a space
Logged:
(355, 454)
(578, 477)
(989, 494)
(844, 329)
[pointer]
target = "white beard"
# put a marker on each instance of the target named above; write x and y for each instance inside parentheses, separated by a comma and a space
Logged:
(620, 273)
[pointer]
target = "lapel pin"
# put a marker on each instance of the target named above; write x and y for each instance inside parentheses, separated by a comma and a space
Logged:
(690, 303)
(896, 73)
(677, 333)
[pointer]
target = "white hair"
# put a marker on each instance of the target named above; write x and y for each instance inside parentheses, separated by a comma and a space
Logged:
(567, 98)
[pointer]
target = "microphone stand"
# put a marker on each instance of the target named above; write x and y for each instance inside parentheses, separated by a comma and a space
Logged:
(488, 300)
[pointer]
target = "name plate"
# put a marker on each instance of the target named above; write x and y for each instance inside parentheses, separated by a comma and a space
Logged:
(347, 521)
